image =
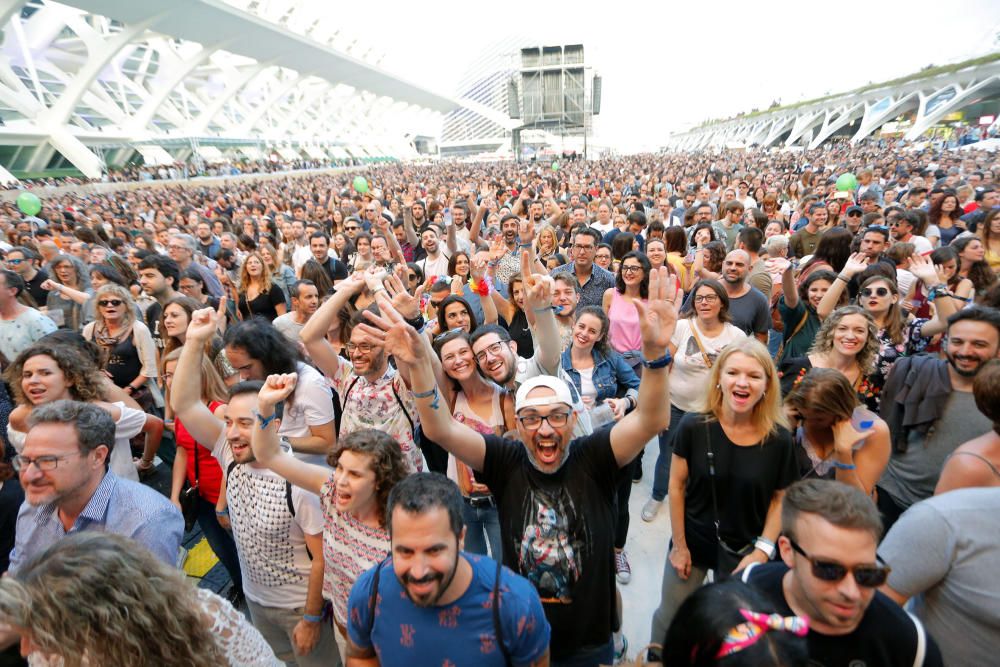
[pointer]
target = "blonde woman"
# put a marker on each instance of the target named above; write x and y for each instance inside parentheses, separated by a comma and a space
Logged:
(259, 295)
(731, 463)
(546, 243)
(95, 598)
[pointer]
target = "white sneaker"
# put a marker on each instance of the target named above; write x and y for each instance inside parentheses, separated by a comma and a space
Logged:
(622, 568)
(651, 509)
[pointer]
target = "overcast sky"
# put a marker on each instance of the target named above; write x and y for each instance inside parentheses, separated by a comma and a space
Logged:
(669, 65)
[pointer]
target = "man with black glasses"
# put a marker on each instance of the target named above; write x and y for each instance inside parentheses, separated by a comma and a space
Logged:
(592, 279)
(830, 573)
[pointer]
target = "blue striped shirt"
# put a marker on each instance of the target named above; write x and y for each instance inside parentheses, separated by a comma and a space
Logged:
(118, 506)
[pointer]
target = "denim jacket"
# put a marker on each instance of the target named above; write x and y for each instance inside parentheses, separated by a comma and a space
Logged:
(611, 373)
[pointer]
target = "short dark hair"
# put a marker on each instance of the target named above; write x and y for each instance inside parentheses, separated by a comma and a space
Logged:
(299, 283)
(319, 235)
(167, 267)
(591, 232)
(14, 281)
(752, 238)
(977, 314)
(245, 387)
(422, 491)
(842, 505)
(261, 341)
(488, 329)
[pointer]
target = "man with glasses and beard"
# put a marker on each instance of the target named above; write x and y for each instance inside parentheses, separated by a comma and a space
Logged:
(930, 409)
(555, 494)
(829, 572)
(432, 603)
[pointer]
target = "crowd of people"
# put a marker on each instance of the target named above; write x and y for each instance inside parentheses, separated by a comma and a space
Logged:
(408, 420)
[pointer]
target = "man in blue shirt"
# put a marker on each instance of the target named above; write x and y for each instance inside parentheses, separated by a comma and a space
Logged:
(430, 603)
(68, 488)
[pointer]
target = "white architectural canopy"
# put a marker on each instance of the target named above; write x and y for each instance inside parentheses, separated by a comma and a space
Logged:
(89, 83)
(930, 95)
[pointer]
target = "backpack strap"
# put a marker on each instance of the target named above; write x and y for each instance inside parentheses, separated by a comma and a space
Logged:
(497, 624)
(402, 407)
(921, 654)
(373, 596)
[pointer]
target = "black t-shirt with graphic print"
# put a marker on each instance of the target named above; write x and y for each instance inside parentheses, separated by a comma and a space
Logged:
(558, 532)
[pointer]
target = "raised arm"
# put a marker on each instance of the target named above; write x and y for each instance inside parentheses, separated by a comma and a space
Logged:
(403, 342)
(538, 303)
(265, 441)
(789, 290)
(856, 263)
(934, 284)
(657, 318)
(411, 233)
(185, 390)
(313, 334)
(478, 272)
(63, 290)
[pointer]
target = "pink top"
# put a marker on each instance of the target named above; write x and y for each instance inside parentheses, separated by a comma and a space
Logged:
(624, 334)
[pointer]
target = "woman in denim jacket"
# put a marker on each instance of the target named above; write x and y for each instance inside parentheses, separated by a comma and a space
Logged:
(600, 375)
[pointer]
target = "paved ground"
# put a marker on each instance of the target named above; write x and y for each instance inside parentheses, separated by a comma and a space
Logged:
(647, 551)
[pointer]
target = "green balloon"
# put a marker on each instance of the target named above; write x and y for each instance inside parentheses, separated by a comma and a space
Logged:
(360, 184)
(847, 182)
(555, 166)
(28, 203)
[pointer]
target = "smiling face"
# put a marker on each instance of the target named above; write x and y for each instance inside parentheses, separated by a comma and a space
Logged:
(456, 316)
(365, 357)
(425, 553)
(565, 297)
(43, 381)
(240, 423)
(970, 345)
(587, 331)
(457, 360)
(74, 473)
(547, 446)
(707, 304)
(742, 382)
(850, 335)
(462, 265)
(175, 320)
(632, 272)
(497, 359)
(656, 253)
(817, 289)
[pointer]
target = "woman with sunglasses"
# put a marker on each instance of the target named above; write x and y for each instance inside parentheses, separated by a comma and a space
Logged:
(732, 460)
(484, 407)
(879, 298)
(827, 444)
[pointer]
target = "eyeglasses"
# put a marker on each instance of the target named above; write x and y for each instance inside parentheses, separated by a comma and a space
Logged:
(583, 248)
(371, 210)
(363, 348)
(493, 348)
(114, 303)
(555, 420)
(881, 228)
(14, 262)
(854, 214)
(876, 291)
(706, 298)
(869, 576)
(43, 463)
(631, 269)
(350, 229)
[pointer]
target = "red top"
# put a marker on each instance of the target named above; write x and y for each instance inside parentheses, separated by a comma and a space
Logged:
(209, 470)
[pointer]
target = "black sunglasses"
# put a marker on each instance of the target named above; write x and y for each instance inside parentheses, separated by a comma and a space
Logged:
(104, 303)
(881, 228)
(877, 291)
(869, 576)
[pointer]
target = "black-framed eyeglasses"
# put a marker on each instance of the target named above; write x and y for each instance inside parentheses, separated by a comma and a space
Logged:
(875, 291)
(351, 229)
(555, 420)
(585, 248)
(44, 463)
(869, 576)
(706, 298)
(114, 303)
(493, 348)
(854, 214)
(363, 348)
(631, 269)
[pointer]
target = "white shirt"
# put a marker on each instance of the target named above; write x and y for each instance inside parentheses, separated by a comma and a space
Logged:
(312, 406)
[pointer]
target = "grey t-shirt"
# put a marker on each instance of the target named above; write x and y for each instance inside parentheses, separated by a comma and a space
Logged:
(751, 312)
(912, 475)
(944, 553)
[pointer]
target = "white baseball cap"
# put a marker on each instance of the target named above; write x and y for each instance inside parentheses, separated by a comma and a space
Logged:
(557, 385)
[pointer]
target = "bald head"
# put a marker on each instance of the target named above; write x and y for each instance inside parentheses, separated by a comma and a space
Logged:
(736, 267)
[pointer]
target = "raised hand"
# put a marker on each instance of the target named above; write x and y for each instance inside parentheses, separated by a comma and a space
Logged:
(48, 285)
(276, 388)
(923, 268)
(205, 322)
(390, 331)
(526, 231)
(856, 263)
(658, 316)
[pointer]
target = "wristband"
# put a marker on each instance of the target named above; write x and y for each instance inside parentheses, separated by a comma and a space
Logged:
(765, 545)
(542, 309)
(844, 466)
(417, 322)
(846, 280)
(224, 512)
(265, 421)
(433, 392)
(662, 362)
(312, 618)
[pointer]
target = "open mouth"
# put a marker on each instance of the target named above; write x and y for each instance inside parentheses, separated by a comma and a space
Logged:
(238, 447)
(494, 366)
(36, 393)
(740, 396)
(547, 451)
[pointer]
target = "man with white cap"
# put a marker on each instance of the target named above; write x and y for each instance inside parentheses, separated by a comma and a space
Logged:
(555, 494)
